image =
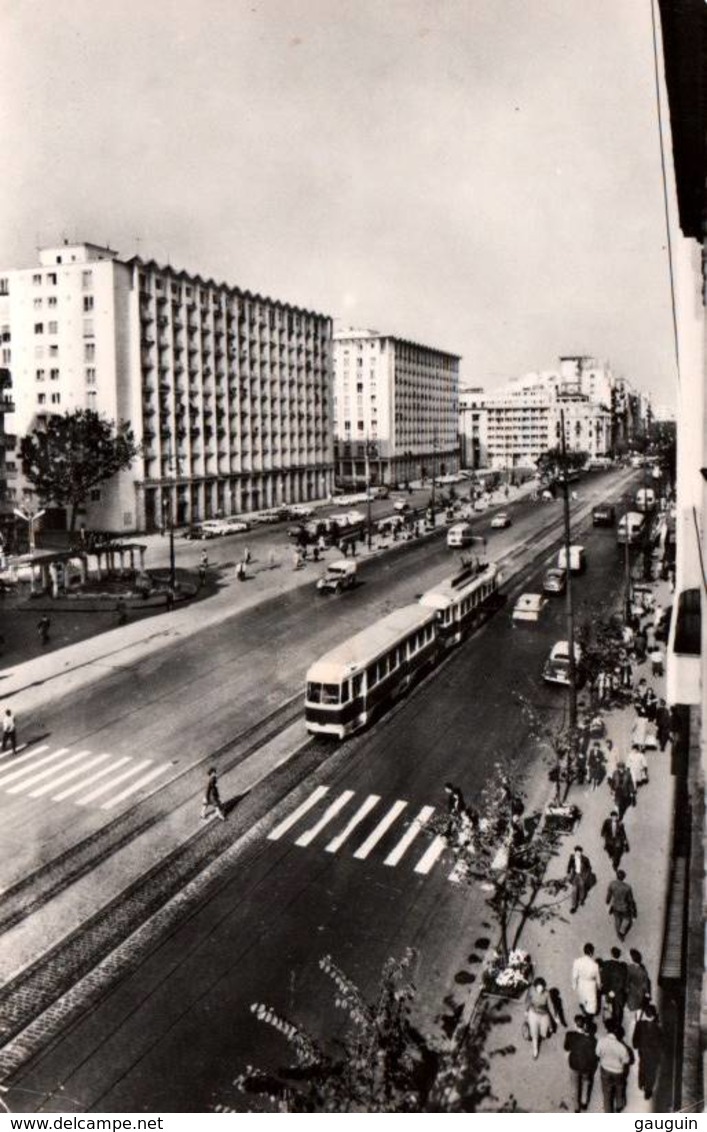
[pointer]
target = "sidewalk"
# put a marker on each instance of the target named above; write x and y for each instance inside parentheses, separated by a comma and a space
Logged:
(544, 1085)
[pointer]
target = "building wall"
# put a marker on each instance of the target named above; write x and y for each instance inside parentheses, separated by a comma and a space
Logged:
(229, 392)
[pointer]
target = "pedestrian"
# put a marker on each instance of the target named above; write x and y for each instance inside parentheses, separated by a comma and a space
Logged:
(581, 1046)
(595, 766)
(455, 800)
(122, 610)
(9, 731)
(648, 1043)
(663, 724)
(640, 693)
(202, 574)
(204, 560)
(241, 571)
(579, 873)
(246, 555)
(212, 798)
(580, 765)
(601, 687)
(626, 672)
(622, 787)
(271, 560)
(639, 646)
(586, 980)
(650, 706)
(613, 986)
(622, 904)
(657, 659)
(614, 837)
(539, 1014)
(638, 985)
(169, 599)
(43, 626)
(638, 768)
(614, 1060)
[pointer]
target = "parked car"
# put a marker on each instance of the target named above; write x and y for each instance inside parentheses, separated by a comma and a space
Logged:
(578, 559)
(216, 527)
(402, 506)
(501, 520)
(196, 533)
(604, 515)
(299, 511)
(236, 525)
(555, 580)
(273, 515)
(340, 575)
(556, 669)
(529, 607)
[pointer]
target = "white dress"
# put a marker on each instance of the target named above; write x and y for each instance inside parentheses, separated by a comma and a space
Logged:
(586, 981)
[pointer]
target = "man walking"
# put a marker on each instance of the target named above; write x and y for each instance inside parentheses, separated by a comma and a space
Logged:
(581, 1045)
(623, 788)
(212, 798)
(579, 872)
(614, 837)
(663, 724)
(586, 980)
(622, 904)
(638, 985)
(614, 1060)
(9, 731)
(613, 985)
(648, 1042)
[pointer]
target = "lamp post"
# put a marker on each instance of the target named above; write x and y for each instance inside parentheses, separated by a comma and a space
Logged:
(568, 593)
(370, 448)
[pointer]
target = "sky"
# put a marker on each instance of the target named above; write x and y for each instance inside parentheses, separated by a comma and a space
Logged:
(481, 176)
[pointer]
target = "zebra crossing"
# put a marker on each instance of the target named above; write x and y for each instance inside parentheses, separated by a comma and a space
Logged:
(392, 833)
(85, 778)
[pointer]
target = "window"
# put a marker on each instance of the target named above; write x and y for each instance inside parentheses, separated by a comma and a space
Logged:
(37, 280)
(87, 280)
(5, 333)
(90, 376)
(56, 398)
(40, 375)
(88, 328)
(88, 302)
(39, 351)
(53, 374)
(89, 351)
(41, 398)
(53, 328)
(39, 328)
(91, 397)
(4, 286)
(6, 357)
(96, 495)
(51, 301)
(51, 278)
(37, 303)
(53, 351)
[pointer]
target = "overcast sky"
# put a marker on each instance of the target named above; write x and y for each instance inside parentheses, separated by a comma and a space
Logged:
(478, 175)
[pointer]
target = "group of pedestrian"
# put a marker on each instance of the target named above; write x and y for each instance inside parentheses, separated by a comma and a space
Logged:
(618, 1022)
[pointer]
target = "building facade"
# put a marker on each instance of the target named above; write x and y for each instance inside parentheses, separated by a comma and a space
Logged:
(229, 392)
(396, 409)
(473, 439)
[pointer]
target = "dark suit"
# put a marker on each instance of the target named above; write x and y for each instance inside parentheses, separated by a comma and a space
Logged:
(615, 840)
(614, 982)
(622, 905)
(579, 878)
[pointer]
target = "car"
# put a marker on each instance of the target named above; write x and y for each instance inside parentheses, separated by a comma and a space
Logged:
(340, 575)
(501, 520)
(528, 607)
(299, 511)
(604, 515)
(215, 527)
(380, 491)
(235, 526)
(460, 535)
(196, 533)
(556, 669)
(554, 580)
(402, 506)
(273, 515)
(578, 559)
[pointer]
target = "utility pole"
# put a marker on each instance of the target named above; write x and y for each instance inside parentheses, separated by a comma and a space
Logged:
(568, 591)
(369, 537)
(434, 477)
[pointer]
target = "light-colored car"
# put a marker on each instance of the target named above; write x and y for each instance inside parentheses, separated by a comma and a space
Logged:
(556, 669)
(211, 528)
(529, 607)
(401, 505)
(300, 511)
(340, 575)
(502, 520)
(236, 525)
(555, 580)
(460, 535)
(578, 559)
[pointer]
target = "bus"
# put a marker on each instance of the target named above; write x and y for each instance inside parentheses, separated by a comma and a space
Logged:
(353, 683)
(463, 601)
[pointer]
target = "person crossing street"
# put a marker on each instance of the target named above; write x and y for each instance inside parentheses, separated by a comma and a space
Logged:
(9, 731)
(212, 798)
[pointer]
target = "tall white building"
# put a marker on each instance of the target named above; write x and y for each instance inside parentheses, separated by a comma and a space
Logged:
(229, 392)
(473, 433)
(395, 408)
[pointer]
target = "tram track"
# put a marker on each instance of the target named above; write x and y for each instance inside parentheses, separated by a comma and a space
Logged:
(51, 985)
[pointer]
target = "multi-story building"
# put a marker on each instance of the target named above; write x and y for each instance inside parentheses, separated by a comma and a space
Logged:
(8, 464)
(395, 409)
(523, 419)
(229, 392)
(473, 442)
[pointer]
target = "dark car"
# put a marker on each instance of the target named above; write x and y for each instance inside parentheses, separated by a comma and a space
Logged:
(197, 533)
(604, 515)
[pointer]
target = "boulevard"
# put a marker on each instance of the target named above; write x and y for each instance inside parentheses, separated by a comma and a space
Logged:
(323, 856)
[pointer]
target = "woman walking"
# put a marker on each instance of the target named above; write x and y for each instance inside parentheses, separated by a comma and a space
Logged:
(539, 1014)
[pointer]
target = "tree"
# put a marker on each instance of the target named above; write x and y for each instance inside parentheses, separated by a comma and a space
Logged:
(505, 849)
(551, 464)
(68, 458)
(381, 1064)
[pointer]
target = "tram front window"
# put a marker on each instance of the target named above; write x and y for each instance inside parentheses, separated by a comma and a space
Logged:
(323, 693)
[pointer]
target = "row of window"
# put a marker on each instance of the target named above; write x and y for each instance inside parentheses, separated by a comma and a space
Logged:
(54, 398)
(51, 278)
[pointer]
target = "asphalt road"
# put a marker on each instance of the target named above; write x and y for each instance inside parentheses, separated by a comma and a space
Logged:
(173, 1034)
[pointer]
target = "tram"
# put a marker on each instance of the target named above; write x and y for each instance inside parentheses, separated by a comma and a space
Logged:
(351, 684)
(463, 601)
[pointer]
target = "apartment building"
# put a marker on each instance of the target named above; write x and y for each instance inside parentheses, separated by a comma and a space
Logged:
(228, 391)
(8, 461)
(396, 407)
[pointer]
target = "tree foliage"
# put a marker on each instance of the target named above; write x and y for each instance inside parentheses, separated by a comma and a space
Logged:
(65, 460)
(552, 464)
(507, 850)
(383, 1063)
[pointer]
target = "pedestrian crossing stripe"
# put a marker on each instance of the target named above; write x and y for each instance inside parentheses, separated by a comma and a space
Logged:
(84, 777)
(392, 823)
